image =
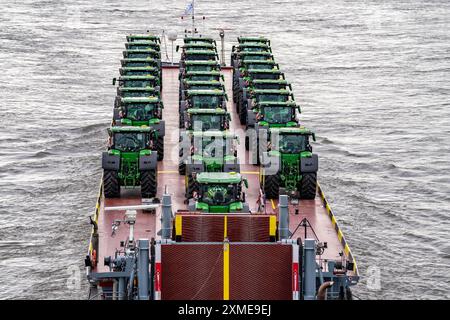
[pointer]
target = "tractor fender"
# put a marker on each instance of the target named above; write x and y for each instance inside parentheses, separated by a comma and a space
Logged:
(160, 127)
(194, 166)
(251, 118)
(310, 164)
(148, 162)
(110, 161)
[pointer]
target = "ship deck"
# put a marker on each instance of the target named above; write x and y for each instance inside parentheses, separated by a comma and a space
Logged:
(317, 211)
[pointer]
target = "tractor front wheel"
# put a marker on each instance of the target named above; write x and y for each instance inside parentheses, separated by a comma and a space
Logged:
(308, 186)
(160, 148)
(272, 186)
(111, 186)
(149, 184)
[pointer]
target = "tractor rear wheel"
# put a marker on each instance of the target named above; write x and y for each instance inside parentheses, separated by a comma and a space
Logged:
(111, 186)
(272, 186)
(182, 168)
(149, 183)
(160, 148)
(242, 111)
(308, 186)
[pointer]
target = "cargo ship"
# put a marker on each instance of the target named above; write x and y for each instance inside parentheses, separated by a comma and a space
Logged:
(209, 188)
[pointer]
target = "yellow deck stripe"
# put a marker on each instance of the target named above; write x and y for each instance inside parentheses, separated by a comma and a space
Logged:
(250, 172)
(273, 203)
(225, 227)
(168, 171)
(272, 225)
(226, 271)
(333, 221)
(346, 249)
(340, 235)
(178, 225)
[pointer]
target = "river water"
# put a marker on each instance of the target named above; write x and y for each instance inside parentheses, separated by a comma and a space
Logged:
(372, 78)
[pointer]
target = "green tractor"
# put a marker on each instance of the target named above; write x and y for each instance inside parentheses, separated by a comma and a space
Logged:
(197, 46)
(130, 162)
(289, 164)
(199, 40)
(188, 66)
(143, 37)
(250, 98)
(129, 92)
(268, 84)
(141, 71)
(199, 55)
(201, 76)
(211, 151)
(140, 62)
(139, 112)
(142, 45)
(142, 54)
(245, 40)
(138, 82)
(202, 99)
(200, 85)
(219, 192)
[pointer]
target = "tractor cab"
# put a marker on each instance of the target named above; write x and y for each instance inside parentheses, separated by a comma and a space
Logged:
(204, 85)
(243, 55)
(274, 114)
(129, 161)
(252, 47)
(143, 37)
(139, 71)
(290, 140)
(139, 111)
(142, 54)
(205, 99)
(139, 45)
(272, 74)
(209, 65)
(198, 40)
(269, 95)
(130, 92)
(219, 192)
(203, 76)
(138, 81)
(199, 55)
(140, 62)
(253, 40)
(258, 65)
(207, 119)
(197, 46)
(266, 84)
(213, 145)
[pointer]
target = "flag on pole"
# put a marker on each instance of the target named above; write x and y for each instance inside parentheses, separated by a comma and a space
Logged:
(189, 8)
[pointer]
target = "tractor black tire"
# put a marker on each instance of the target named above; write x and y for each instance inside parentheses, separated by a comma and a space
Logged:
(181, 124)
(182, 168)
(308, 186)
(111, 186)
(247, 143)
(242, 112)
(160, 148)
(272, 186)
(192, 185)
(149, 184)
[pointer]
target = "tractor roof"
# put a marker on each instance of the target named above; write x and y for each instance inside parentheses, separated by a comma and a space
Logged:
(215, 133)
(130, 100)
(210, 82)
(218, 111)
(253, 53)
(147, 50)
(203, 73)
(147, 37)
(271, 91)
(187, 39)
(144, 77)
(201, 63)
(142, 42)
(269, 81)
(219, 177)
(264, 71)
(148, 59)
(243, 39)
(146, 89)
(253, 45)
(197, 45)
(277, 104)
(292, 130)
(131, 129)
(196, 51)
(147, 68)
(269, 61)
(210, 92)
